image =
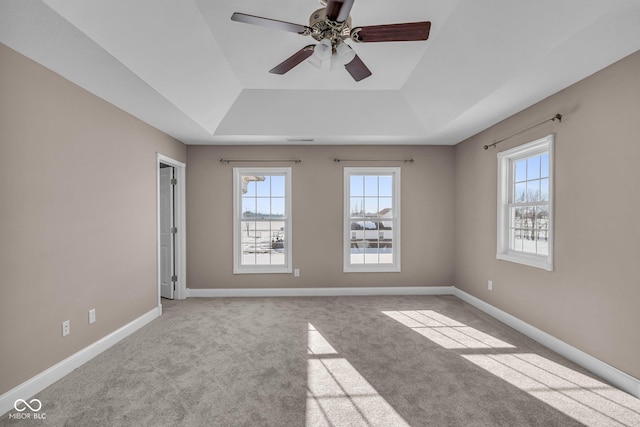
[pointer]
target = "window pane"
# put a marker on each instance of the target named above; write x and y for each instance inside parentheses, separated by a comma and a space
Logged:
(533, 190)
(248, 258)
(371, 255)
(277, 207)
(357, 207)
(263, 186)
(372, 240)
(357, 254)
(356, 185)
(371, 205)
(370, 225)
(248, 186)
(385, 204)
(533, 167)
(248, 207)
(542, 228)
(385, 242)
(516, 239)
(516, 217)
(542, 215)
(521, 170)
(371, 185)
(357, 243)
(263, 207)
(263, 242)
(357, 225)
(544, 165)
(542, 239)
(528, 233)
(544, 190)
(277, 186)
(543, 247)
(386, 185)
(278, 243)
(520, 192)
(527, 218)
(248, 242)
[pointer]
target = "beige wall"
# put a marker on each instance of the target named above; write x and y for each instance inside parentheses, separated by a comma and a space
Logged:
(78, 217)
(591, 298)
(78, 213)
(427, 216)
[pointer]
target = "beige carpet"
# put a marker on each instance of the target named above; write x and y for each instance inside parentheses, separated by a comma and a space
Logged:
(389, 361)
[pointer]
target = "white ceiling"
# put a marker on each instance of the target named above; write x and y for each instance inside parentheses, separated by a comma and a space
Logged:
(185, 68)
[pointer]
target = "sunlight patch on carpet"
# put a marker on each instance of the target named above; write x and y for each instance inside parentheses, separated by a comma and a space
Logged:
(317, 344)
(338, 395)
(444, 331)
(583, 398)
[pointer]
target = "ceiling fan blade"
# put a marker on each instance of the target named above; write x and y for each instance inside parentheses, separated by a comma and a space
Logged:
(271, 23)
(357, 69)
(411, 31)
(293, 60)
(339, 10)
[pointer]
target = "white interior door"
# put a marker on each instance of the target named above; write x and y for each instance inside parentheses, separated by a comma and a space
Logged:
(167, 235)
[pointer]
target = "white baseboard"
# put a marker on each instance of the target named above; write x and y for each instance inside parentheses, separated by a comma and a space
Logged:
(320, 292)
(615, 376)
(44, 379)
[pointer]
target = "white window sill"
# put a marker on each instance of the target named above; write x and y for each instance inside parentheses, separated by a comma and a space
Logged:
(373, 269)
(284, 270)
(530, 260)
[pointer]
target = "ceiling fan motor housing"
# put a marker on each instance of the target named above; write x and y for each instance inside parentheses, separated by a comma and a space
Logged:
(324, 28)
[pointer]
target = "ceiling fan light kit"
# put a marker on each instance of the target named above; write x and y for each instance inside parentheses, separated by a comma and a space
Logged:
(331, 26)
(342, 56)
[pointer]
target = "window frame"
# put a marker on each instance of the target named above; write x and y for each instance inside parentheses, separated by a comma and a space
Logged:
(396, 241)
(506, 170)
(238, 267)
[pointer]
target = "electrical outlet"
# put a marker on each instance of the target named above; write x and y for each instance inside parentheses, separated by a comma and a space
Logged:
(490, 285)
(296, 272)
(66, 328)
(92, 316)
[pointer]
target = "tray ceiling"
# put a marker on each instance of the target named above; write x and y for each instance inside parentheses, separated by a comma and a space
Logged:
(185, 68)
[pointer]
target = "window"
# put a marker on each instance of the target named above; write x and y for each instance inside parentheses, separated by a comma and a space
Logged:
(525, 204)
(262, 220)
(371, 219)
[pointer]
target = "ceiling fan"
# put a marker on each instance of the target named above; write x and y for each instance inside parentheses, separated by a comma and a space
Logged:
(331, 26)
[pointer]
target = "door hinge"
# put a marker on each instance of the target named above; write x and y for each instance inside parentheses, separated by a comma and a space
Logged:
(174, 230)
(174, 181)
(174, 279)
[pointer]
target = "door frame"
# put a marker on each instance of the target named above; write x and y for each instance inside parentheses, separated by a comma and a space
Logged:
(179, 201)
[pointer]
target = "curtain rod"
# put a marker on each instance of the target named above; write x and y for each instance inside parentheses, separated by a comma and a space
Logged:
(375, 160)
(557, 117)
(227, 161)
